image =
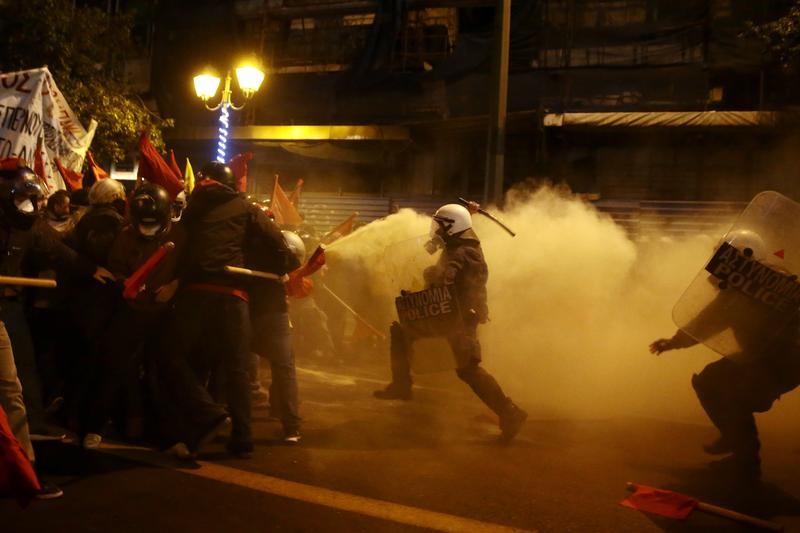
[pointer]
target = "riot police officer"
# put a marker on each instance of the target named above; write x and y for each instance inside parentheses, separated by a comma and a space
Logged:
(463, 269)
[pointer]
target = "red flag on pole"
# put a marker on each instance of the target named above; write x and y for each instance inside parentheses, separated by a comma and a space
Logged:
(173, 165)
(154, 169)
(239, 168)
(136, 281)
(660, 502)
(282, 209)
(40, 169)
(295, 196)
(99, 173)
(17, 477)
(73, 180)
(344, 228)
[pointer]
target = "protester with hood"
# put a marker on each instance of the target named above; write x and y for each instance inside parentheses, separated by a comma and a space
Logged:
(211, 327)
(58, 211)
(462, 269)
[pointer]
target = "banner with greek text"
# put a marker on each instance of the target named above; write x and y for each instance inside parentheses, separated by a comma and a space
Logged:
(34, 113)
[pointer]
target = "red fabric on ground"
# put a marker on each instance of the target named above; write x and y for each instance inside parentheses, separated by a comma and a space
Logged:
(17, 477)
(660, 502)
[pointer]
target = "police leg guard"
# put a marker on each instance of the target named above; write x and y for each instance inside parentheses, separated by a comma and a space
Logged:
(400, 354)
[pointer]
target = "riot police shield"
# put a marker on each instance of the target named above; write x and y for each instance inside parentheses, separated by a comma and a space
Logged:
(747, 291)
(427, 314)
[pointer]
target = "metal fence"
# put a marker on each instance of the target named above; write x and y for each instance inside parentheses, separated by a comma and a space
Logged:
(639, 218)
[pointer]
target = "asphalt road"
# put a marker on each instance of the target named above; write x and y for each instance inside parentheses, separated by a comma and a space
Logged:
(431, 464)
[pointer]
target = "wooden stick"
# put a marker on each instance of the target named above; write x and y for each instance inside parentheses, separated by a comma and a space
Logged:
(728, 513)
(353, 312)
(254, 273)
(28, 282)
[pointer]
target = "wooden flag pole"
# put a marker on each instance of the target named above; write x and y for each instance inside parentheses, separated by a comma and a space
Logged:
(254, 273)
(355, 314)
(28, 282)
(728, 513)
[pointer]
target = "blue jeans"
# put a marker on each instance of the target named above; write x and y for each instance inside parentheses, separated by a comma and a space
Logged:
(272, 339)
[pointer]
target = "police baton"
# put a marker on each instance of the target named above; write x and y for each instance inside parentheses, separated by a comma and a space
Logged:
(489, 216)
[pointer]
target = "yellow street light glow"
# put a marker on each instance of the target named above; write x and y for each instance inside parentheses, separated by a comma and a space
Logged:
(206, 85)
(249, 79)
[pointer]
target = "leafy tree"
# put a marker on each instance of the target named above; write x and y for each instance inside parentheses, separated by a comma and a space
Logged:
(781, 36)
(85, 49)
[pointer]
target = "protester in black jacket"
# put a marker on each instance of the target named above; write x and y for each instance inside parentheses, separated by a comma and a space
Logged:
(211, 326)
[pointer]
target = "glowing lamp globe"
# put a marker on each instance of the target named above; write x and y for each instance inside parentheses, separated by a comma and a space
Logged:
(250, 79)
(206, 85)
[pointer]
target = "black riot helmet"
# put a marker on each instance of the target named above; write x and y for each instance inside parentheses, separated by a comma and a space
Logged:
(20, 194)
(219, 172)
(150, 210)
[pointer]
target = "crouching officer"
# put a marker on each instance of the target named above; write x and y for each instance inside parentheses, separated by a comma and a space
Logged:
(462, 269)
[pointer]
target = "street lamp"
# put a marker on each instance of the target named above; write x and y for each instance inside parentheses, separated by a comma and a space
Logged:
(206, 85)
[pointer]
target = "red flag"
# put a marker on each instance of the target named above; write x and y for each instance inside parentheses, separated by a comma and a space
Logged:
(239, 168)
(99, 173)
(298, 286)
(17, 477)
(282, 208)
(73, 180)
(345, 228)
(11, 163)
(173, 165)
(154, 169)
(136, 281)
(781, 253)
(295, 196)
(39, 168)
(661, 502)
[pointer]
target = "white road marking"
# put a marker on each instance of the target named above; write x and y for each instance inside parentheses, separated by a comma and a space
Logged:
(343, 501)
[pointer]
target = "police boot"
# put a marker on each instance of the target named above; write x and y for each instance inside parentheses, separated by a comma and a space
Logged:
(721, 446)
(394, 391)
(511, 422)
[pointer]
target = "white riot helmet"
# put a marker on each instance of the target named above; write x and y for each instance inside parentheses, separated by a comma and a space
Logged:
(106, 192)
(748, 242)
(178, 205)
(295, 244)
(448, 221)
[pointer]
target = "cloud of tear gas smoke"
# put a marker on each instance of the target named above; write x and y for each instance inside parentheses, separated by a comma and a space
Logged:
(573, 302)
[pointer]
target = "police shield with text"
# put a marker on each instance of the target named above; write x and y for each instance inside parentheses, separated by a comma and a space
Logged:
(452, 306)
(744, 305)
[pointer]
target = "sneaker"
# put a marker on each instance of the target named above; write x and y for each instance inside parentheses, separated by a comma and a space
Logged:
(292, 436)
(394, 391)
(221, 424)
(47, 432)
(511, 422)
(49, 491)
(92, 441)
(181, 452)
(719, 447)
(242, 450)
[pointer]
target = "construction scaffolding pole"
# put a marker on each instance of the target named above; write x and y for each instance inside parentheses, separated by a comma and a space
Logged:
(498, 105)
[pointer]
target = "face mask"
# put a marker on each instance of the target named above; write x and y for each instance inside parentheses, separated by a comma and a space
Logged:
(25, 206)
(434, 244)
(149, 230)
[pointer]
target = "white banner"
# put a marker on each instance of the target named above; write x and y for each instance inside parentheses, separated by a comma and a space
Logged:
(33, 112)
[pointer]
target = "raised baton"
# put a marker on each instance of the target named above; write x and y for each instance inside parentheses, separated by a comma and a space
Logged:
(490, 217)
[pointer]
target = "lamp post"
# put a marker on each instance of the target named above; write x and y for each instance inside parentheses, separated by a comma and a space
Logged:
(206, 85)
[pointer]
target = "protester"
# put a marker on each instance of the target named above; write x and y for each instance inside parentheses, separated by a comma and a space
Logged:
(19, 194)
(211, 323)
